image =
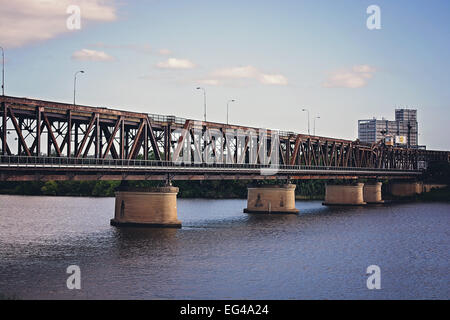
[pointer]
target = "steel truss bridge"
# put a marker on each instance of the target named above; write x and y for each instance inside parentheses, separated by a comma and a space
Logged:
(43, 140)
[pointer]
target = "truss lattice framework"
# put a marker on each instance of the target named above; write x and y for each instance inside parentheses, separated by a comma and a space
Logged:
(41, 128)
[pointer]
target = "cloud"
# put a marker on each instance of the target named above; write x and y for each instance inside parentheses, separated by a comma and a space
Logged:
(276, 79)
(250, 72)
(210, 82)
(364, 68)
(174, 63)
(164, 52)
(91, 55)
(27, 21)
(356, 77)
(237, 72)
(141, 48)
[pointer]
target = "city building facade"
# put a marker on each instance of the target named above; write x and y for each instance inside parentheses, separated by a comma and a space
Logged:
(402, 131)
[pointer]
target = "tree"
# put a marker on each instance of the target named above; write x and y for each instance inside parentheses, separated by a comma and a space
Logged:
(50, 188)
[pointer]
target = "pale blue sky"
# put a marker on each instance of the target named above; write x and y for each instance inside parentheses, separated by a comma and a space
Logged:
(303, 43)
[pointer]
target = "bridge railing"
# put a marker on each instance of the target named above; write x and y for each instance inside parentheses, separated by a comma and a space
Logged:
(161, 118)
(34, 161)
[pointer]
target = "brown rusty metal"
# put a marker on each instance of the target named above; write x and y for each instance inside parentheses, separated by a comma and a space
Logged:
(132, 135)
(137, 142)
(52, 136)
(180, 142)
(296, 148)
(19, 132)
(111, 138)
(153, 141)
(86, 135)
(54, 176)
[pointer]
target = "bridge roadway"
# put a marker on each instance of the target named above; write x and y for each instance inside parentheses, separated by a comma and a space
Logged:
(20, 168)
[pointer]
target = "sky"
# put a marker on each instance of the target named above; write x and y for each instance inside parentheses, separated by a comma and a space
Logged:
(274, 58)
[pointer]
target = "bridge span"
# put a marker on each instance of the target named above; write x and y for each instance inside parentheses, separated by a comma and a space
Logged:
(23, 168)
(44, 140)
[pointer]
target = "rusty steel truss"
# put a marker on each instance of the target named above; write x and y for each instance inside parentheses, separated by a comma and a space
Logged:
(40, 129)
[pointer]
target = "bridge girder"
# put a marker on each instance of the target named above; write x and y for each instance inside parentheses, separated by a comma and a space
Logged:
(36, 128)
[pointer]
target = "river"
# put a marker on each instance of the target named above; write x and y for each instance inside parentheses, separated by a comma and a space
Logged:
(222, 253)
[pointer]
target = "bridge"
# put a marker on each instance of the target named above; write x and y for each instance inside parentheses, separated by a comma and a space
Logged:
(44, 140)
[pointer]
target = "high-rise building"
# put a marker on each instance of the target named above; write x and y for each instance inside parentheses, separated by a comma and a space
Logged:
(402, 131)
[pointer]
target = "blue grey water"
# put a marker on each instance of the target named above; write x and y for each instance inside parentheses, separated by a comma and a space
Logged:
(222, 253)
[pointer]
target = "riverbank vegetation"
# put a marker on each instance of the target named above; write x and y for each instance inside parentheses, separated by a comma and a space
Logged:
(435, 195)
(224, 189)
(438, 172)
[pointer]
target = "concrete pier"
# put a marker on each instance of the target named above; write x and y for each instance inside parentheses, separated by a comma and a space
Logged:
(427, 187)
(405, 189)
(344, 195)
(271, 199)
(151, 207)
(372, 193)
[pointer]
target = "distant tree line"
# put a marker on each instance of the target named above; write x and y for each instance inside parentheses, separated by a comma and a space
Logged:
(438, 172)
(217, 189)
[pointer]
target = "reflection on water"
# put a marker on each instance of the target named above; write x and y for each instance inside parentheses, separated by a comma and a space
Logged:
(222, 253)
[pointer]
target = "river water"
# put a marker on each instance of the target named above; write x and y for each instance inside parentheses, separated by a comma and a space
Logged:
(222, 253)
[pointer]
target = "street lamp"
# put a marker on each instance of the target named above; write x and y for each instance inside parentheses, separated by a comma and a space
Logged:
(315, 124)
(3, 71)
(204, 100)
(75, 84)
(308, 120)
(228, 102)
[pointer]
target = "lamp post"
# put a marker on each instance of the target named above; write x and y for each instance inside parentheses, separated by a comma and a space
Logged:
(309, 132)
(204, 101)
(75, 84)
(315, 124)
(3, 71)
(228, 102)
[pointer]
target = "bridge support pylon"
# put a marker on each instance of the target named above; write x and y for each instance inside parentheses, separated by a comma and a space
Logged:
(344, 195)
(406, 188)
(150, 207)
(372, 192)
(271, 199)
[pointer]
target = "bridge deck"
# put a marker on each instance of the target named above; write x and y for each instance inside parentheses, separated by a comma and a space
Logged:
(64, 141)
(14, 168)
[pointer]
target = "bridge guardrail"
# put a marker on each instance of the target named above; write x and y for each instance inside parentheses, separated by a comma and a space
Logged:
(64, 161)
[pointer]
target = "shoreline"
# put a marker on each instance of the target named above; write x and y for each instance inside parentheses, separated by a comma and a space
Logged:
(442, 195)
